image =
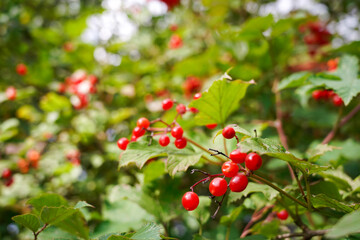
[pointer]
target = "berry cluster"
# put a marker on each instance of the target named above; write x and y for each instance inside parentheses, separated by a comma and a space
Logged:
(323, 94)
(80, 85)
(316, 35)
(31, 160)
(231, 169)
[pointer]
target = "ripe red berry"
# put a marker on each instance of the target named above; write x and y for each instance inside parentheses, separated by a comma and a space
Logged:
(175, 42)
(337, 101)
(317, 94)
(229, 169)
(282, 215)
(237, 156)
(197, 95)
(133, 138)
(33, 155)
(190, 201)
(180, 143)
(177, 132)
(143, 122)
(61, 88)
(218, 186)
(194, 110)
(6, 173)
(21, 69)
(253, 161)
(138, 131)
(164, 140)
(181, 109)
(238, 183)
(167, 104)
(228, 132)
(211, 126)
(122, 143)
(11, 93)
(9, 182)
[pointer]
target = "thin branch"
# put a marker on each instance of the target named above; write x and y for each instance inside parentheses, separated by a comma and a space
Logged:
(204, 149)
(343, 121)
(308, 198)
(219, 205)
(38, 232)
(257, 215)
(306, 235)
(299, 184)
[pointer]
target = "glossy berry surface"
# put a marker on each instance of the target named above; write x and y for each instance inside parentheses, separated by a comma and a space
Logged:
(177, 132)
(138, 131)
(237, 156)
(317, 94)
(211, 126)
(167, 104)
(228, 132)
(180, 143)
(197, 96)
(218, 186)
(143, 122)
(11, 93)
(21, 69)
(164, 140)
(181, 109)
(238, 183)
(229, 169)
(122, 143)
(253, 161)
(6, 173)
(282, 215)
(337, 101)
(190, 201)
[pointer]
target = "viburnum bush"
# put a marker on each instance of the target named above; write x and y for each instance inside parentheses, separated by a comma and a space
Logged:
(169, 119)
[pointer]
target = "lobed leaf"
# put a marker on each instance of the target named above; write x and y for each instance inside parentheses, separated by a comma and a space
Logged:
(29, 221)
(347, 225)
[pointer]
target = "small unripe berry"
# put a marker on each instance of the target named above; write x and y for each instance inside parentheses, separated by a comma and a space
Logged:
(164, 140)
(190, 201)
(122, 143)
(167, 104)
(253, 161)
(237, 156)
(228, 132)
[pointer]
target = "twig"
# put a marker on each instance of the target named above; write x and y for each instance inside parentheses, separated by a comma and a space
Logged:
(299, 184)
(308, 198)
(343, 121)
(257, 215)
(218, 153)
(219, 205)
(38, 232)
(204, 149)
(306, 235)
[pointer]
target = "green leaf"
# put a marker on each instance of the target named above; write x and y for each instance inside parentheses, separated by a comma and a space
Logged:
(28, 220)
(274, 149)
(150, 231)
(315, 153)
(349, 224)
(178, 160)
(349, 85)
(201, 213)
(268, 192)
(153, 171)
(54, 102)
(321, 200)
(327, 188)
(53, 215)
(76, 224)
(229, 219)
(294, 80)
(222, 98)
(339, 178)
(47, 199)
(82, 204)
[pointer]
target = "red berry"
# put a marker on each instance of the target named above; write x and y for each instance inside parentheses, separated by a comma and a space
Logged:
(211, 126)
(61, 88)
(282, 215)
(75, 161)
(143, 123)
(167, 104)
(180, 143)
(228, 132)
(317, 94)
(175, 42)
(173, 27)
(133, 138)
(194, 110)
(68, 47)
(21, 69)
(218, 186)
(181, 109)
(332, 64)
(177, 132)
(122, 143)
(337, 101)
(33, 155)
(164, 140)
(237, 156)
(229, 169)
(6, 173)
(9, 182)
(190, 201)
(238, 183)
(197, 95)
(253, 161)
(11, 93)
(138, 131)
